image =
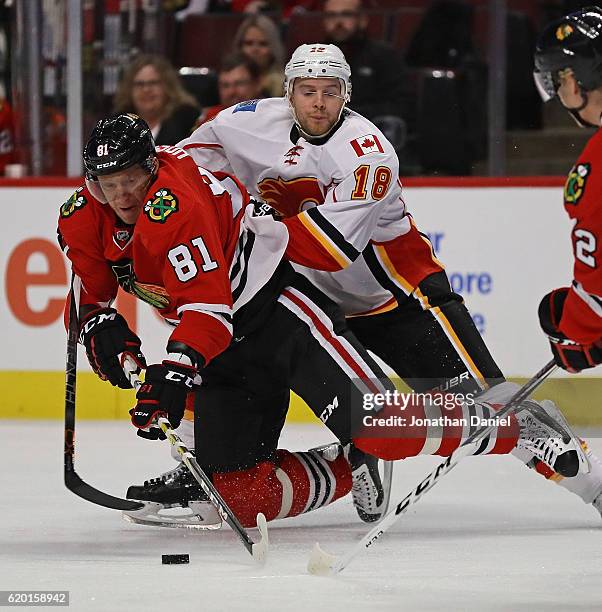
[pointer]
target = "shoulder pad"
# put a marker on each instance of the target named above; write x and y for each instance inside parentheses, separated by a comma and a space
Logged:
(77, 200)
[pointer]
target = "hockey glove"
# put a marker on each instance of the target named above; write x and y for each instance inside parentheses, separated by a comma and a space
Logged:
(105, 334)
(163, 393)
(568, 354)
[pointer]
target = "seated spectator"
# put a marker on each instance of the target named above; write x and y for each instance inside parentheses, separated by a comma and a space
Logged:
(259, 39)
(151, 88)
(285, 7)
(377, 70)
(238, 79)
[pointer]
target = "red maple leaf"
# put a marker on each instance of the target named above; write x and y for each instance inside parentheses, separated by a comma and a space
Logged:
(367, 143)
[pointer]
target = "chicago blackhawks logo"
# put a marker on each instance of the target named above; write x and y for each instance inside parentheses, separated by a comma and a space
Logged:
(75, 202)
(564, 31)
(574, 187)
(291, 197)
(164, 204)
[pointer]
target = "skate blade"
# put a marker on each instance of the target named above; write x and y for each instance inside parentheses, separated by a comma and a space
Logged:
(320, 562)
(260, 549)
(197, 516)
(387, 482)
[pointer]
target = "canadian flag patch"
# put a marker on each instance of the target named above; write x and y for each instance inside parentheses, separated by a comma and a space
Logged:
(367, 144)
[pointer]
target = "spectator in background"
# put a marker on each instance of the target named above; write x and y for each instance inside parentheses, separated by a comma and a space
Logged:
(238, 80)
(285, 7)
(151, 88)
(378, 71)
(259, 39)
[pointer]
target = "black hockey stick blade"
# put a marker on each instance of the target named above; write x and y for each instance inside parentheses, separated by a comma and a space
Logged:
(76, 485)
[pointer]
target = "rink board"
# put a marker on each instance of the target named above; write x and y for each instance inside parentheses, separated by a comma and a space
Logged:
(505, 244)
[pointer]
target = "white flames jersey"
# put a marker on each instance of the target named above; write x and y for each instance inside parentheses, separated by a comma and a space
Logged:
(340, 198)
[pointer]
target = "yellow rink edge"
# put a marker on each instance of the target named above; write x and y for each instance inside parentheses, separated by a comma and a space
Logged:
(41, 395)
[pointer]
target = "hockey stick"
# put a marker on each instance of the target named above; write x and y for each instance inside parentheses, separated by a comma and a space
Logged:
(324, 564)
(72, 480)
(258, 550)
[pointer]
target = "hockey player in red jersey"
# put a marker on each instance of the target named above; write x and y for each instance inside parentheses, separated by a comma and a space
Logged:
(185, 242)
(332, 177)
(568, 62)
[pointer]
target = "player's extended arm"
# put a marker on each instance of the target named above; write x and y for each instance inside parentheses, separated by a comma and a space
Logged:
(195, 276)
(331, 236)
(102, 330)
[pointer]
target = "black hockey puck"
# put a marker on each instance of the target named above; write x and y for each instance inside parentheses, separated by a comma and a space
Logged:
(174, 559)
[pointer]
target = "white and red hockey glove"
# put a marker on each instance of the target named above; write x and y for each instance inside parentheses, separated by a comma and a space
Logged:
(164, 391)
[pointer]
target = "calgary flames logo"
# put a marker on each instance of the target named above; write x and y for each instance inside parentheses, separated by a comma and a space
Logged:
(290, 198)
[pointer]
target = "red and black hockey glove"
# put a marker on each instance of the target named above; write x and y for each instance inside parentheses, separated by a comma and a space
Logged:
(163, 393)
(106, 335)
(568, 354)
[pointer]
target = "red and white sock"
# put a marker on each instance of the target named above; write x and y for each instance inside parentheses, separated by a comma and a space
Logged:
(294, 484)
(436, 427)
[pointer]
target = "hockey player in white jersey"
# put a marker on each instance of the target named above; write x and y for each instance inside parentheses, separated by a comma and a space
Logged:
(333, 178)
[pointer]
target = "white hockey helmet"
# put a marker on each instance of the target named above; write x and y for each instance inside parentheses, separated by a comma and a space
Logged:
(318, 61)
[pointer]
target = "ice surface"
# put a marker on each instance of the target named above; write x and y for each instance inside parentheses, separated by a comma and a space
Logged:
(491, 536)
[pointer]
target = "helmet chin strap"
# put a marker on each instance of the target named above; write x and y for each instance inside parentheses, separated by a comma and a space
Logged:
(309, 137)
(574, 112)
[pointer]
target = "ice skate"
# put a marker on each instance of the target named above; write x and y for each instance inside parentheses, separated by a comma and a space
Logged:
(173, 488)
(370, 492)
(547, 439)
(176, 500)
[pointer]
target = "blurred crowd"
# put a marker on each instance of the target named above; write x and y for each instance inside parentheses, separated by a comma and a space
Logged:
(419, 71)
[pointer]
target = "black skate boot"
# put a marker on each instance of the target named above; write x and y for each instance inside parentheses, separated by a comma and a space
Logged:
(370, 493)
(370, 497)
(174, 488)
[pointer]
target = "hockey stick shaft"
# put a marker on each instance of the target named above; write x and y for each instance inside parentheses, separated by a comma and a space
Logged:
(72, 480)
(258, 550)
(323, 563)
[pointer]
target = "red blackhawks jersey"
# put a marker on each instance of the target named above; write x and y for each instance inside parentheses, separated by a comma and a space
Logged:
(195, 253)
(582, 313)
(340, 198)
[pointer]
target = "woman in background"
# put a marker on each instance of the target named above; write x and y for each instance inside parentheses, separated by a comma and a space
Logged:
(151, 88)
(259, 39)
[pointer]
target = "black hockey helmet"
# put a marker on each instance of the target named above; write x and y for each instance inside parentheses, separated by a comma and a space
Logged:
(575, 42)
(117, 143)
